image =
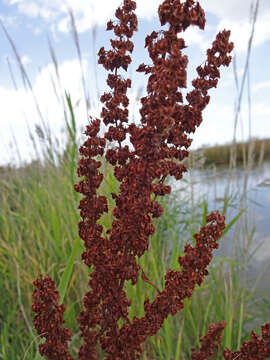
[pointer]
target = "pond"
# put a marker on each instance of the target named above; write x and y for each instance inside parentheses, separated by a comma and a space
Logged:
(216, 184)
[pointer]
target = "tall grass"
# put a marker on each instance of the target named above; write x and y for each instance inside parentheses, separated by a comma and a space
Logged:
(38, 234)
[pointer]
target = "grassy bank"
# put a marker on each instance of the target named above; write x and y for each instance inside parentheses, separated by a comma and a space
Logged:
(220, 155)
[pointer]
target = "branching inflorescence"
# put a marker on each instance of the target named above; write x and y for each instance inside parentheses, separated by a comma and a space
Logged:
(159, 143)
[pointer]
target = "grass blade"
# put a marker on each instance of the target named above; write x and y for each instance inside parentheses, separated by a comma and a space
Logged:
(68, 270)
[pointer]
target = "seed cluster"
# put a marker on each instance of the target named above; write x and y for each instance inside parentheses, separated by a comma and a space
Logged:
(49, 320)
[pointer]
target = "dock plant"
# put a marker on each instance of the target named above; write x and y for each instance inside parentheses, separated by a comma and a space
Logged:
(158, 145)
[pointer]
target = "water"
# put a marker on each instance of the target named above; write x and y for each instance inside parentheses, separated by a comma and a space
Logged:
(214, 186)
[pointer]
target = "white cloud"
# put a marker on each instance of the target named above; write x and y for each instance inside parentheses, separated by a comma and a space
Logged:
(8, 20)
(86, 12)
(89, 13)
(202, 38)
(228, 78)
(232, 14)
(233, 10)
(235, 15)
(26, 60)
(260, 116)
(193, 36)
(240, 32)
(29, 8)
(216, 127)
(261, 85)
(261, 110)
(14, 2)
(37, 30)
(19, 105)
(218, 123)
(63, 25)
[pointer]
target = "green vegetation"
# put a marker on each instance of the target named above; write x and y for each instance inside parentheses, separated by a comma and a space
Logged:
(220, 155)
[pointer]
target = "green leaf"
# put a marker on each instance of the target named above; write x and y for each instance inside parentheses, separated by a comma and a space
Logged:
(233, 221)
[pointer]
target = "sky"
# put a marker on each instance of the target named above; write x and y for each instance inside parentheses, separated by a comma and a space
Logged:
(34, 96)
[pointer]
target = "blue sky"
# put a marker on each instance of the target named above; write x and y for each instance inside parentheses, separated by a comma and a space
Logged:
(31, 22)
